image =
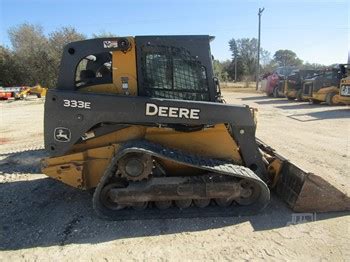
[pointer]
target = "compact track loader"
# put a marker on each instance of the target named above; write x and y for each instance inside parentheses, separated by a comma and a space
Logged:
(325, 86)
(344, 91)
(294, 83)
(141, 121)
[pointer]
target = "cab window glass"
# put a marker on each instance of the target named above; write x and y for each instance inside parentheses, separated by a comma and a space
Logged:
(171, 72)
(94, 69)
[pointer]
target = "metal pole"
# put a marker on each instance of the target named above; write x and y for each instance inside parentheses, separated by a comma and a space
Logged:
(258, 62)
(236, 68)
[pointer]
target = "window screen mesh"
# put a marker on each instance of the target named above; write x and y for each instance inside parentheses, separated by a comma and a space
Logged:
(170, 72)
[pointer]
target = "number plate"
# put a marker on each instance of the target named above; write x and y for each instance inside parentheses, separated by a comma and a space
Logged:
(345, 90)
(76, 104)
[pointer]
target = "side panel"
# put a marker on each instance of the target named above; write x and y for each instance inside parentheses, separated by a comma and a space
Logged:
(85, 164)
(66, 122)
(82, 170)
(213, 142)
(74, 52)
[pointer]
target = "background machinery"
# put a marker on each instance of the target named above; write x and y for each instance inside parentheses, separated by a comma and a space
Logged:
(325, 86)
(294, 83)
(37, 90)
(344, 91)
(275, 82)
(141, 121)
(9, 92)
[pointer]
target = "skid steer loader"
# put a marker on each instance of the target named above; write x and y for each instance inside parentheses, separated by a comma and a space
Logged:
(325, 86)
(294, 83)
(344, 91)
(141, 121)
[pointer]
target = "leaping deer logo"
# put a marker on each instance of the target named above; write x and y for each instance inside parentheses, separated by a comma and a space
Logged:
(62, 134)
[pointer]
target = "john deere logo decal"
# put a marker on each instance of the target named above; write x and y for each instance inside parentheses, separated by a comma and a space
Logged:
(62, 134)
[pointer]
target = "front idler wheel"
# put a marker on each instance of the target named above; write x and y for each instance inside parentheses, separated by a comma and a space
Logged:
(249, 193)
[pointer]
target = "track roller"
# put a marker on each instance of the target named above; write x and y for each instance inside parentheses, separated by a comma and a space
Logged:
(182, 204)
(202, 203)
(163, 204)
(140, 205)
(223, 202)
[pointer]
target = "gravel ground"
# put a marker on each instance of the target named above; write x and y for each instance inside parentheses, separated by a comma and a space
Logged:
(41, 219)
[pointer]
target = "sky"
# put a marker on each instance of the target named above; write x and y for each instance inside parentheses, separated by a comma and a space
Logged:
(316, 30)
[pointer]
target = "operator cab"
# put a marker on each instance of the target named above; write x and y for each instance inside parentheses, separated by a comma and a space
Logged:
(170, 67)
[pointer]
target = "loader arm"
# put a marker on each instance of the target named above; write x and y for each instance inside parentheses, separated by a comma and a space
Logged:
(118, 109)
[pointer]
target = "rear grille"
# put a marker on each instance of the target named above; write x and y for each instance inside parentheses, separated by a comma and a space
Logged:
(307, 90)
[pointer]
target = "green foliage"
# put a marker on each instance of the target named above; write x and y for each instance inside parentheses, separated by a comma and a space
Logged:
(34, 57)
(102, 34)
(245, 50)
(312, 66)
(220, 70)
(10, 69)
(57, 40)
(287, 58)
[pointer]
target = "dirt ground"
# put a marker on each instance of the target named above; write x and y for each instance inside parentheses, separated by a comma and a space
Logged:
(41, 219)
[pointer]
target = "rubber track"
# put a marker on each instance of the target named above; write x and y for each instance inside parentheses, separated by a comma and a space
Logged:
(208, 164)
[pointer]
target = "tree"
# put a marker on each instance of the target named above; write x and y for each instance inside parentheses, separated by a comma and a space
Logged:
(248, 52)
(236, 58)
(265, 57)
(225, 74)
(245, 51)
(217, 68)
(10, 69)
(57, 40)
(30, 50)
(312, 66)
(220, 70)
(103, 34)
(287, 58)
(36, 58)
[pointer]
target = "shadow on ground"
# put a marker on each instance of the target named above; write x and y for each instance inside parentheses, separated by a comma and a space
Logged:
(343, 113)
(27, 161)
(255, 98)
(43, 212)
(275, 101)
(300, 105)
